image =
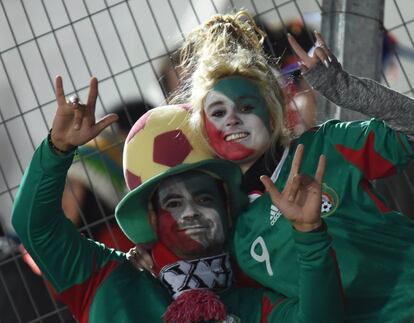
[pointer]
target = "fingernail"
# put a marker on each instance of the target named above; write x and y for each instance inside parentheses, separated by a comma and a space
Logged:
(290, 198)
(76, 126)
(325, 62)
(330, 59)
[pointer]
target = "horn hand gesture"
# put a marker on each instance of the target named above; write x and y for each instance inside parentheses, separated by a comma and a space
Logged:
(74, 123)
(301, 199)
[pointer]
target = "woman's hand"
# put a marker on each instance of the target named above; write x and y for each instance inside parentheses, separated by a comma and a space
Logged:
(74, 123)
(140, 258)
(320, 53)
(301, 199)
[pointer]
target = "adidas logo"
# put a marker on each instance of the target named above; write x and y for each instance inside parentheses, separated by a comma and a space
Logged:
(274, 214)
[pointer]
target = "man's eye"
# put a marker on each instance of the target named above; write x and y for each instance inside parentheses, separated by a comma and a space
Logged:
(205, 199)
(173, 204)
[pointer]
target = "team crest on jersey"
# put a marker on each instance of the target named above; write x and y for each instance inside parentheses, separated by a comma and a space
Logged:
(330, 200)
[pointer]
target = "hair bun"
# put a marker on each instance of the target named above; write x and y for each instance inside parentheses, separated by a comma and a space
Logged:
(223, 33)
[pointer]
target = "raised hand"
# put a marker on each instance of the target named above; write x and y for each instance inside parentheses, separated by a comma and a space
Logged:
(301, 199)
(320, 53)
(140, 258)
(74, 123)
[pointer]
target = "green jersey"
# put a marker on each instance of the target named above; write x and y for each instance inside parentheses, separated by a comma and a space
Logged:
(374, 245)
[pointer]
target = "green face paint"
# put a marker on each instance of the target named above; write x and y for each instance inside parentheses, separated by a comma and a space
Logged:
(237, 120)
(245, 94)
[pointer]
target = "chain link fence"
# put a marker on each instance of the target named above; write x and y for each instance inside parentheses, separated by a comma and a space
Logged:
(129, 45)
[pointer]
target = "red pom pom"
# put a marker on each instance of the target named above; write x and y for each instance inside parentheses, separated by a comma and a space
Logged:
(195, 305)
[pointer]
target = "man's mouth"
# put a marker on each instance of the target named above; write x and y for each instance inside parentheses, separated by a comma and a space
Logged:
(193, 228)
(236, 136)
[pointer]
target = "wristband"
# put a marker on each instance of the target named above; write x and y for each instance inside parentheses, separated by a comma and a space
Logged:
(323, 227)
(56, 149)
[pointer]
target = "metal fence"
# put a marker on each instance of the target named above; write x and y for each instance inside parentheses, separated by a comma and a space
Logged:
(127, 44)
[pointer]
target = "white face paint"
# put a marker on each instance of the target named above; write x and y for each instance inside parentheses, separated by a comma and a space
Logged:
(237, 120)
(190, 216)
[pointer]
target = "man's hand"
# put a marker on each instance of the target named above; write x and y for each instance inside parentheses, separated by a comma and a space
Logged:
(74, 123)
(140, 258)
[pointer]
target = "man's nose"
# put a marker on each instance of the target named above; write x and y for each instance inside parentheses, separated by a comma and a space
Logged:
(190, 212)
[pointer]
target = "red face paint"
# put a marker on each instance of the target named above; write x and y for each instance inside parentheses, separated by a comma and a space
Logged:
(178, 241)
(228, 150)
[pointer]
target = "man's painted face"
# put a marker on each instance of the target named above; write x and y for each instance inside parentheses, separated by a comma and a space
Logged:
(190, 215)
(237, 120)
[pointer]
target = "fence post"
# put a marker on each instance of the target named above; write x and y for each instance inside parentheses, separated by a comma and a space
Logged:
(353, 31)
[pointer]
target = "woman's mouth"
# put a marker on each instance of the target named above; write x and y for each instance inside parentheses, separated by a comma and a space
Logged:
(236, 136)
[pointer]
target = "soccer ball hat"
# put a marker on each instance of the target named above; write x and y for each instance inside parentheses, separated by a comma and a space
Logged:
(160, 144)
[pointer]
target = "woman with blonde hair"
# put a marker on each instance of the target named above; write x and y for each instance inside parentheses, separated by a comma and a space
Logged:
(240, 108)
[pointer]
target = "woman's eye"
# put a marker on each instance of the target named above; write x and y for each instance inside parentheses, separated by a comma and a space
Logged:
(246, 108)
(218, 113)
(173, 204)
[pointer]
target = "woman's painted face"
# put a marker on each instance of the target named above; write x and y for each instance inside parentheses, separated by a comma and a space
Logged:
(190, 216)
(237, 120)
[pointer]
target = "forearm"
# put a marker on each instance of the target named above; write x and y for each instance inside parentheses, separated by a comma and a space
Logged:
(363, 95)
(40, 193)
(319, 287)
(37, 215)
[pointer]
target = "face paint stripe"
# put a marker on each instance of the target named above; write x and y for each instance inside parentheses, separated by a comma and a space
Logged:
(169, 235)
(232, 87)
(225, 149)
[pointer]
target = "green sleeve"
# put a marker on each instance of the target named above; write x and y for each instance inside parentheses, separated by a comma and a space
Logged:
(64, 256)
(320, 297)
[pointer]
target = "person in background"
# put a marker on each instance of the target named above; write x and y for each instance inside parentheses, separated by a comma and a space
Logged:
(300, 97)
(170, 74)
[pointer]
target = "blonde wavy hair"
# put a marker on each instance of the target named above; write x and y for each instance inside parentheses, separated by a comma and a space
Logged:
(224, 46)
